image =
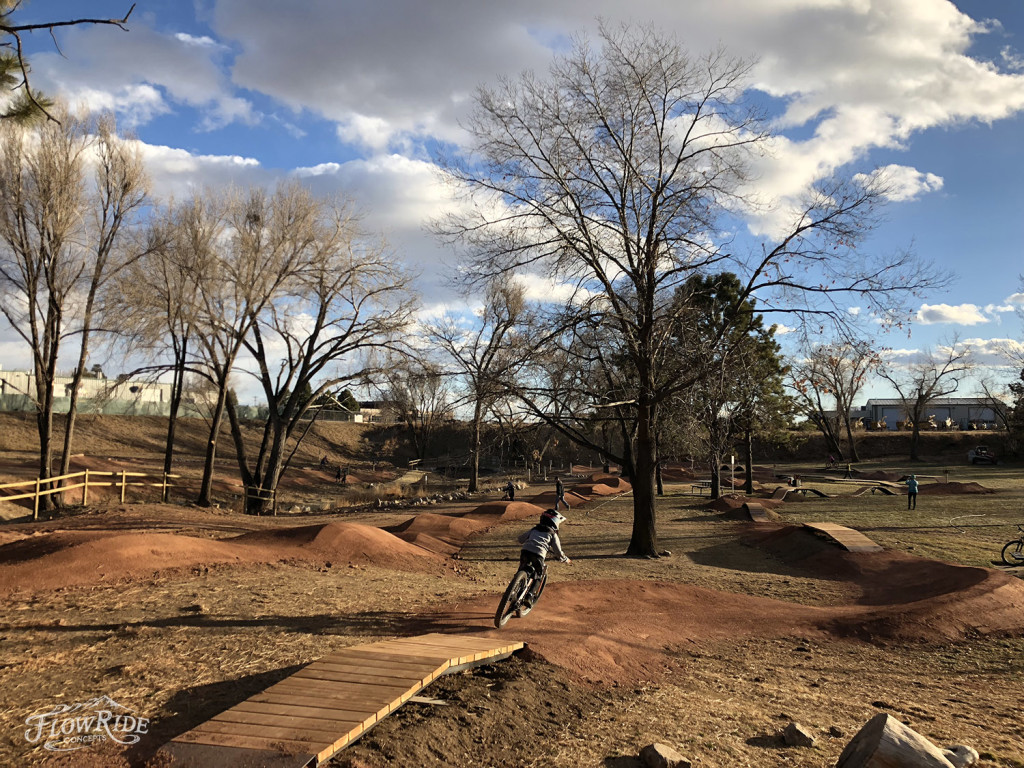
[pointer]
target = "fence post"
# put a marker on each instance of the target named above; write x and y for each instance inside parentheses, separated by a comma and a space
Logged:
(35, 504)
(85, 490)
(124, 484)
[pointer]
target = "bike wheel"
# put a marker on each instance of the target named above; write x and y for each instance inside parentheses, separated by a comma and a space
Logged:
(523, 609)
(1013, 553)
(511, 599)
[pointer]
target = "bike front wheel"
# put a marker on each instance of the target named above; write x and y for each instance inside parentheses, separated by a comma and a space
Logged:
(1013, 553)
(512, 598)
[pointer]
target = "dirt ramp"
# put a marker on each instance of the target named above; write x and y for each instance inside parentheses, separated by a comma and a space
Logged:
(953, 489)
(80, 558)
(509, 510)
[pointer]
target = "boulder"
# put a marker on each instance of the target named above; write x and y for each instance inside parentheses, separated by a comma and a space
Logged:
(885, 742)
(662, 756)
(795, 735)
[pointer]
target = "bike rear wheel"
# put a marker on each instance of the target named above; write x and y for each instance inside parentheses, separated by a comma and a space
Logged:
(512, 598)
(1013, 553)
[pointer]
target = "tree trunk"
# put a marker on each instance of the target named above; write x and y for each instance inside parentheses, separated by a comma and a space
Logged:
(716, 476)
(659, 482)
(643, 542)
(177, 390)
(206, 487)
(748, 457)
(915, 436)
(854, 456)
(474, 469)
(884, 742)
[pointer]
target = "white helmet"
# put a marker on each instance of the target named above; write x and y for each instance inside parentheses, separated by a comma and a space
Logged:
(552, 517)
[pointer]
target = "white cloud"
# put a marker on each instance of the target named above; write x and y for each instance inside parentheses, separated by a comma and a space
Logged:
(960, 314)
(1016, 299)
(995, 352)
(902, 183)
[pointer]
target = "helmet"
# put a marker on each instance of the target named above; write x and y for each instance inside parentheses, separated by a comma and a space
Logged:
(551, 517)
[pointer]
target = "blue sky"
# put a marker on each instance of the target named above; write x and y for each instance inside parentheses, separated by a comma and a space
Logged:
(350, 96)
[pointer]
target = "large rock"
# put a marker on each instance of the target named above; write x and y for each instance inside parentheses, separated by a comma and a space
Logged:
(662, 756)
(795, 735)
(885, 742)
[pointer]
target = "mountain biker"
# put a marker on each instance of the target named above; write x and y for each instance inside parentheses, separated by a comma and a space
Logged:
(537, 542)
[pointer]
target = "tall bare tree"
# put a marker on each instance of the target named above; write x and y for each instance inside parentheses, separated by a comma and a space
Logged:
(615, 175)
(42, 200)
(937, 374)
(339, 297)
(484, 355)
(113, 241)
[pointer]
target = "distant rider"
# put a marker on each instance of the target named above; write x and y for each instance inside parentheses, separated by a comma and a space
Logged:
(510, 491)
(537, 542)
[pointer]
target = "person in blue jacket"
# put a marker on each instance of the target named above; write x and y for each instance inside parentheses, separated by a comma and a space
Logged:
(912, 492)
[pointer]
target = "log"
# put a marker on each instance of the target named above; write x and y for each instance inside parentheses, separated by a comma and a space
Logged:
(885, 742)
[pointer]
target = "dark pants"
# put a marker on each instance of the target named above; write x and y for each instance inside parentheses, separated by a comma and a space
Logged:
(533, 564)
(911, 501)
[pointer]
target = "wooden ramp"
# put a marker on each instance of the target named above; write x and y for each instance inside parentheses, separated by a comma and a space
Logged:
(847, 538)
(306, 718)
(757, 512)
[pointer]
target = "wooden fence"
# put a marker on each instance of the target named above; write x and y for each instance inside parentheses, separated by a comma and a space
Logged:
(89, 478)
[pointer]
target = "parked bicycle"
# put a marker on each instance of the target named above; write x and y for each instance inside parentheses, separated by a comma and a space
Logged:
(1013, 552)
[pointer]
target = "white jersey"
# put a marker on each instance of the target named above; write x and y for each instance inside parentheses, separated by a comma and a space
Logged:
(541, 542)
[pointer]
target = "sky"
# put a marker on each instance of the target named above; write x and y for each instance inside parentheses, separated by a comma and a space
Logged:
(352, 97)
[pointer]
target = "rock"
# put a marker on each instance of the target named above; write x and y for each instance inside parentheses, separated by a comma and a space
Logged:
(662, 756)
(961, 755)
(885, 741)
(795, 735)
(836, 732)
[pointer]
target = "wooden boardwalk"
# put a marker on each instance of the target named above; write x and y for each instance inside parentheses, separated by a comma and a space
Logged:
(847, 538)
(306, 718)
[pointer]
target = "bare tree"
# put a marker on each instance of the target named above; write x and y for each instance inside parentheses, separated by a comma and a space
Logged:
(339, 296)
(41, 198)
(937, 374)
(420, 394)
(27, 104)
(158, 296)
(615, 176)
(833, 375)
(265, 237)
(116, 202)
(484, 355)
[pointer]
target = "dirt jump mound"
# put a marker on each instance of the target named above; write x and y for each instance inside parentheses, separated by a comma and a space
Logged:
(954, 489)
(66, 558)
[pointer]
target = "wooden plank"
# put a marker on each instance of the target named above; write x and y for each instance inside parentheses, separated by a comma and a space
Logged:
(315, 738)
(378, 669)
(291, 700)
(330, 725)
(848, 538)
(401, 661)
(338, 689)
(291, 709)
(319, 673)
(294, 746)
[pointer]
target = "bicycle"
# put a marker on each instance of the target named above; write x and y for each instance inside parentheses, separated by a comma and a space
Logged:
(514, 599)
(1013, 552)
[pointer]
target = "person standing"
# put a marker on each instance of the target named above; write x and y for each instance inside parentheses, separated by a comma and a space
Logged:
(510, 491)
(912, 492)
(560, 493)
